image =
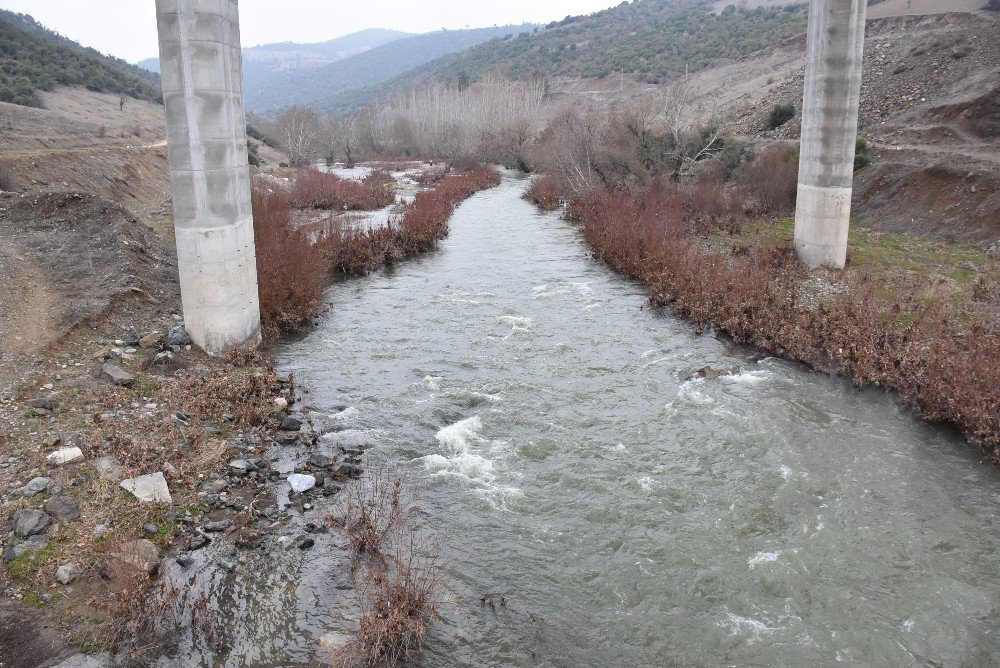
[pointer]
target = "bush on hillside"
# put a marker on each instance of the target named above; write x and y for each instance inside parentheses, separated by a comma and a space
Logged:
(780, 114)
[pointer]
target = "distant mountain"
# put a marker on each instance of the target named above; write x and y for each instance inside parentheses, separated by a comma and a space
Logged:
(261, 62)
(34, 59)
(653, 40)
(28, 24)
(374, 66)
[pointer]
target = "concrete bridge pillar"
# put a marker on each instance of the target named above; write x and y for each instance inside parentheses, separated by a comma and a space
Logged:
(201, 72)
(834, 47)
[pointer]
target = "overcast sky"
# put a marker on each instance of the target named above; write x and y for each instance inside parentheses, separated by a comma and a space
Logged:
(127, 28)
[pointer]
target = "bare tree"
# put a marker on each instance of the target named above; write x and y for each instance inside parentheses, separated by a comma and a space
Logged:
(300, 129)
(341, 135)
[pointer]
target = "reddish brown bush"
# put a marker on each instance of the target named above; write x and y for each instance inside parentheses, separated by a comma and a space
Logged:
(547, 192)
(770, 180)
(947, 374)
(291, 270)
(420, 225)
(314, 189)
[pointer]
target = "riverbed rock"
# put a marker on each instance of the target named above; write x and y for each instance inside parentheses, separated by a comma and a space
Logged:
(30, 522)
(291, 424)
(334, 643)
(149, 488)
(150, 340)
(139, 553)
(36, 486)
(301, 482)
(68, 572)
(280, 403)
(117, 375)
(65, 456)
(63, 508)
(241, 466)
(215, 527)
(102, 660)
(178, 336)
(349, 470)
(198, 542)
(43, 403)
(30, 544)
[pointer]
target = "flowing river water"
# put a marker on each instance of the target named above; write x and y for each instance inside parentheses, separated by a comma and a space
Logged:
(627, 515)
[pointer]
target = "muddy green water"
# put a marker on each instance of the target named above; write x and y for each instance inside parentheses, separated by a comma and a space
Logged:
(629, 516)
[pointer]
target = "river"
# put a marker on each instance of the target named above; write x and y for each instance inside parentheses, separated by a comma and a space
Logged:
(629, 516)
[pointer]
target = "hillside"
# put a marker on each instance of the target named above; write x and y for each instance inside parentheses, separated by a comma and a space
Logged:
(653, 41)
(365, 69)
(260, 63)
(34, 59)
(29, 24)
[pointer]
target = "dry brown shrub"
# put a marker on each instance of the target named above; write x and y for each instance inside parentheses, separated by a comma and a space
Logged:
(547, 192)
(769, 181)
(400, 586)
(314, 189)
(291, 270)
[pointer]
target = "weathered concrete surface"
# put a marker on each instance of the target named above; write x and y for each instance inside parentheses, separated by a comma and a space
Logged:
(835, 44)
(202, 78)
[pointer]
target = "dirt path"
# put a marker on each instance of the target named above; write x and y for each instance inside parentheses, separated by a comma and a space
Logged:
(93, 148)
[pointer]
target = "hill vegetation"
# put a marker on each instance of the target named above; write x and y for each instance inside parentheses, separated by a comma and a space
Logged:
(35, 59)
(365, 69)
(652, 40)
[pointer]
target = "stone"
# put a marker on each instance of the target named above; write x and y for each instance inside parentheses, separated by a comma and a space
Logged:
(305, 542)
(65, 456)
(31, 544)
(118, 375)
(215, 527)
(68, 572)
(151, 340)
(349, 470)
(164, 358)
(109, 468)
(281, 403)
(178, 336)
(241, 465)
(301, 482)
(36, 486)
(63, 508)
(47, 404)
(149, 488)
(30, 522)
(131, 339)
(102, 660)
(320, 461)
(139, 553)
(184, 560)
(291, 424)
(335, 644)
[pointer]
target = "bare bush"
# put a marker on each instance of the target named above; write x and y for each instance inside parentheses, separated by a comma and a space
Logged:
(319, 190)
(291, 270)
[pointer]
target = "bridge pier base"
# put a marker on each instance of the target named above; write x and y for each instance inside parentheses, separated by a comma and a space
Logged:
(834, 49)
(201, 72)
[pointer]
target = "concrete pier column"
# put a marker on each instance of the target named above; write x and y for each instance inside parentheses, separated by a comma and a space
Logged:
(834, 47)
(201, 71)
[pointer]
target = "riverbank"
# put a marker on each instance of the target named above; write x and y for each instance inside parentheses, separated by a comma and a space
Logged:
(133, 462)
(907, 315)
